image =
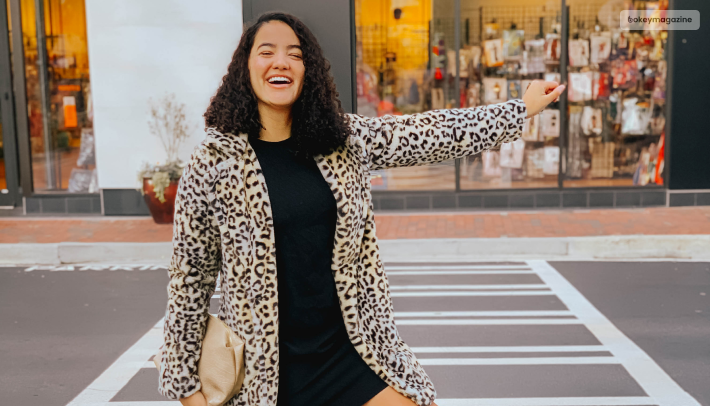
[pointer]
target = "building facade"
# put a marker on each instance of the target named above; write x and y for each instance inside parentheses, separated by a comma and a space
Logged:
(76, 94)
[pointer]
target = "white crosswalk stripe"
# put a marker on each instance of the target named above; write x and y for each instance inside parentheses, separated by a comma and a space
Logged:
(420, 313)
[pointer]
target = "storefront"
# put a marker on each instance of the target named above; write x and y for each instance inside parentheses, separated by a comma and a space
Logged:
(95, 67)
(607, 132)
(48, 146)
(608, 142)
(51, 87)
(617, 138)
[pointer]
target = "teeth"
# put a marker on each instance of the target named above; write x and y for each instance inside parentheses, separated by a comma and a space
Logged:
(279, 79)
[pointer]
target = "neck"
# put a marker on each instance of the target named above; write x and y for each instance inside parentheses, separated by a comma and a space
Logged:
(276, 123)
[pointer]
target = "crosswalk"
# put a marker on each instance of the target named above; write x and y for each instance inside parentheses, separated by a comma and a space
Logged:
(494, 334)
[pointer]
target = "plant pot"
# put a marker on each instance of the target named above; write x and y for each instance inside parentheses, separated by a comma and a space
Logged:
(162, 212)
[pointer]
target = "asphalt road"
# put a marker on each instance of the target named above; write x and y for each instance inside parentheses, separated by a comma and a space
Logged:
(517, 333)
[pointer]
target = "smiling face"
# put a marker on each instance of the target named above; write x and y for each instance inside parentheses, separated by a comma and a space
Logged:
(276, 66)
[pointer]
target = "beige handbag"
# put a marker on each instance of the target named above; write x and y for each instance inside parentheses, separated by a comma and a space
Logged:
(221, 365)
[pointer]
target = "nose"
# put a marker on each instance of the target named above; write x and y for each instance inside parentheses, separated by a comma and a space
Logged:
(280, 62)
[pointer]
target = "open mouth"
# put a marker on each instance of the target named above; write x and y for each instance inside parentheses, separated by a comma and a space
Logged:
(279, 80)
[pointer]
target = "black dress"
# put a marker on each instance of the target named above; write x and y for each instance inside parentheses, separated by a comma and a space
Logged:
(318, 365)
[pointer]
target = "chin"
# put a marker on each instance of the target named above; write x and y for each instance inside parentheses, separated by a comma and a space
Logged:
(282, 103)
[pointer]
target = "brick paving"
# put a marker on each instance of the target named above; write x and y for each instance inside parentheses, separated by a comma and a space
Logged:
(511, 224)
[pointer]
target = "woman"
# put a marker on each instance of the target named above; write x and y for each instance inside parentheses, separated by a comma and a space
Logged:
(282, 182)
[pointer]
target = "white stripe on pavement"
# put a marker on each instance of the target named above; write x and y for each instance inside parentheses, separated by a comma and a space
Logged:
(425, 273)
(462, 267)
(575, 401)
(149, 403)
(498, 293)
(487, 313)
(462, 293)
(655, 381)
(468, 287)
(514, 348)
(112, 380)
(520, 361)
(484, 322)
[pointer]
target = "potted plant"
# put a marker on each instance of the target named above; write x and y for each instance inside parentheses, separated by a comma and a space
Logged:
(159, 182)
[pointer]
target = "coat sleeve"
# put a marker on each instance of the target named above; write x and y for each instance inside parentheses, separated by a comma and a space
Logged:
(438, 135)
(194, 266)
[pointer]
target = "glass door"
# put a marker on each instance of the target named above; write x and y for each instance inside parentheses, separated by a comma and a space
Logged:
(8, 162)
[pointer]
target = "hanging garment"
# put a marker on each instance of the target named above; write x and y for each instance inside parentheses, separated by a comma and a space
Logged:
(575, 143)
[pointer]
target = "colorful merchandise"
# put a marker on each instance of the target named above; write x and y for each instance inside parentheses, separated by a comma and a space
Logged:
(635, 117)
(533, 57)
(579, 52)
(602, 159)
(575, 143)
(473, 95)
(591, 122)
(601, 88)
(511, 154)
(491, 163)
(513, 44)
(495, 90)
(531, 129)
(624, 74)
(493, 50)
(552, 47)
(534, 163)
(580, 86)
(600, 45)
(552, 161)
(514, 91)
(550, 123)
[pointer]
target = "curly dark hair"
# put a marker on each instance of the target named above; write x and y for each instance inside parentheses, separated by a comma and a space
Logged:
(319, 124)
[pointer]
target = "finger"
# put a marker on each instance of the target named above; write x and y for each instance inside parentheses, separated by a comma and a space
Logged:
(549, 86)
(555, 93)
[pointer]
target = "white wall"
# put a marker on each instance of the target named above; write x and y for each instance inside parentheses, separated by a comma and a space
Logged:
(142, 49)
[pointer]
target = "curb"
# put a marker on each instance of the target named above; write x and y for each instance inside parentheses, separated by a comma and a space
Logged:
(670, 247)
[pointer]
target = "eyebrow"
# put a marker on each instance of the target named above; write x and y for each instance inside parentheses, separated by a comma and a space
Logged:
(268, 44)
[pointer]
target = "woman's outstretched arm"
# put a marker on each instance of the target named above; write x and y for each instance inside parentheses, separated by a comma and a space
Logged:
(440, 135)
(193, 271)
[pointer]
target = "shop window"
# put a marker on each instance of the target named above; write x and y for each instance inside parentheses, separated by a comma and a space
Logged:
(59, 103)
(617, 82)
(504, 46)
(401, 69)
(406, 63)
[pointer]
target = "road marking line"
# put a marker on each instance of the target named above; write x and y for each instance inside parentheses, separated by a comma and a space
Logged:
(520, 361)
(425, 273)
(461, 267)
(113, 379)
(575, 401)
(461, 293)
(534, 348)
(498, 293)
(483, 322)
(149, 403)
(468, 287)
(655, 381)
(487, 313)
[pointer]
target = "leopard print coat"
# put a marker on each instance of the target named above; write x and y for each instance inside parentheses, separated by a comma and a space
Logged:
(223, 225)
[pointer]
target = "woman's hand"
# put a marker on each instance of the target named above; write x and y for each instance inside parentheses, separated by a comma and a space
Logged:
(196, 399)
(539, 94)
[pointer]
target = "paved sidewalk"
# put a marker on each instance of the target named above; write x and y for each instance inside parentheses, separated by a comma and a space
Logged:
(512, 224)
